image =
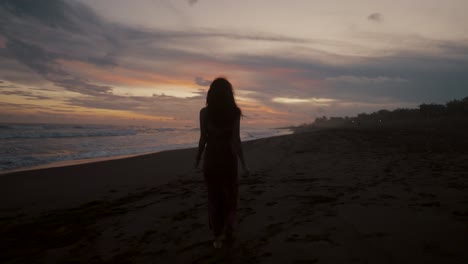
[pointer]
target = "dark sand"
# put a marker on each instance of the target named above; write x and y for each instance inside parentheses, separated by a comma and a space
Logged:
(332, 196)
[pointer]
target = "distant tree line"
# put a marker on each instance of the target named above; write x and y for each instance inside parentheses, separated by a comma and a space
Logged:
(454, 108)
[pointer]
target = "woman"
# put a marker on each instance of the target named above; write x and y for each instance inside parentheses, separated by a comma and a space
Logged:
(219, 132)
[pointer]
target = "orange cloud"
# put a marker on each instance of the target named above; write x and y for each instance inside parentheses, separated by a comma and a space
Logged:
(259, 108)
(121, 76)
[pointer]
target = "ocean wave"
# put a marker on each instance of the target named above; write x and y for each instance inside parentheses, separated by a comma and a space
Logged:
(21, 127)
(65, 134)
(164, 129)
(28, 145)
(11, 162)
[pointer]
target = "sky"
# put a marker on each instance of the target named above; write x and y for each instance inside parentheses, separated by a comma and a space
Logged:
(150, 62)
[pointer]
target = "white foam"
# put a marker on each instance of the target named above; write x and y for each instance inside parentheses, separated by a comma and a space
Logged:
(32, 145)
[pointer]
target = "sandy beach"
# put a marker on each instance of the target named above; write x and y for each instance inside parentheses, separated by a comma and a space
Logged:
(355, 195)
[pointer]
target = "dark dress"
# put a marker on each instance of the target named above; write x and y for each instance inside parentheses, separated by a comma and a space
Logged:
(220, 173)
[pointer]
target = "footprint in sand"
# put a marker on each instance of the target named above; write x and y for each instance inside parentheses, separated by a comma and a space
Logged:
(309, 238)
(257, 192)
(430, 204)
(305, 261)
(387, 196)
(426, 195)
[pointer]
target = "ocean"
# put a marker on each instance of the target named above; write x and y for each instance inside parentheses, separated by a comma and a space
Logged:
(25, 146)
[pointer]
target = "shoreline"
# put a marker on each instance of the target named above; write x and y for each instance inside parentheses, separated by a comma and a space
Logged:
(66, 163)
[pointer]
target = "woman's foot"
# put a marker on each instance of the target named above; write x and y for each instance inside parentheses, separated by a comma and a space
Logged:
(218, 242)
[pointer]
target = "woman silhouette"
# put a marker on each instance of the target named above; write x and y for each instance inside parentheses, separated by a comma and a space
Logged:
(219, 132)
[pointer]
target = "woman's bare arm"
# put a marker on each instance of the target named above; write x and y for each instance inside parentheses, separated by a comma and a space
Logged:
(238, 145)
(203, 135)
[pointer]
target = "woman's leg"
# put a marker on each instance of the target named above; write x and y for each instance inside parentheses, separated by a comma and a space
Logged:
(215, 210)
(231, 203)
(216, 214)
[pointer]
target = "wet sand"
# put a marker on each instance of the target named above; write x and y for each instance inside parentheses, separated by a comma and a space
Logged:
(374, 195)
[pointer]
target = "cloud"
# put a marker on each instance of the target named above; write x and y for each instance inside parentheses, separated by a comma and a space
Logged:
(200, 81)
(45, 64)
(365, 80)
(82, 86)
(70, 31)
(67, 31)
(6, 105)
(36, 58)
(192, 2)
(25, 94)
(375, 17)
(165, 106)
(52, 13)
(285, 77)
(315, 101)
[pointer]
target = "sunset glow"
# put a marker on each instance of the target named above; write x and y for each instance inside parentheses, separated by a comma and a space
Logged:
(151, 62)
(318, 101)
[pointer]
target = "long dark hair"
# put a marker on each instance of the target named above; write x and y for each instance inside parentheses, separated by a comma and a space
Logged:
(220, 102)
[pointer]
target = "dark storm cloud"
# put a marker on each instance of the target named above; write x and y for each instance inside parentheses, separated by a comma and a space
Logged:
(24, 94)
(76, 32)
(72, 31)
(52, 13)
(36, 58)
(66, 31)
(404, 76)
(22, 106)
(375, 17)
(44, 63)
(68, 28)
(82, 86)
